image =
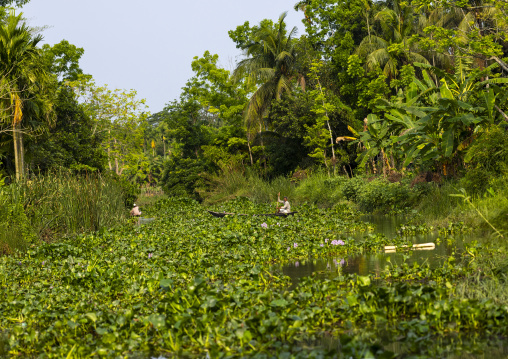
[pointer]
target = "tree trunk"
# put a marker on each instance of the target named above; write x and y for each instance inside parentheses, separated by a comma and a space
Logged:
(368, 25)
(250, 152)
(116, 160)
(17, 137)
(18, 151)
(331, 142)
(262, 144)
(384, 160)
(109, 151)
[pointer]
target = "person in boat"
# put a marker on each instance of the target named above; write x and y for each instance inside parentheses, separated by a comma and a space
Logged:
(286, 207)
(135, 211)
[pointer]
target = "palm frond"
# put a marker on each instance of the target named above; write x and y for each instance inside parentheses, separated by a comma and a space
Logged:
(377, 58)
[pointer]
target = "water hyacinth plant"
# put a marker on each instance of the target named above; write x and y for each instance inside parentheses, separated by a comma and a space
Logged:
(191, 284)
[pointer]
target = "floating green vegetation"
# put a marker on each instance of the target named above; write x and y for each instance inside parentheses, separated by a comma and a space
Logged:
(189, 284)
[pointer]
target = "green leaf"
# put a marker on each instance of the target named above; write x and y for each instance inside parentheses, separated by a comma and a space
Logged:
(91, 316)
(489, 98)
(363, 280)
(210, 302)
(166, 284)
(72, 324)
(279, 303)
(244, 335)
(352, 300)
(445, 91)
(448, 139)
(108, 338)
(158, 321)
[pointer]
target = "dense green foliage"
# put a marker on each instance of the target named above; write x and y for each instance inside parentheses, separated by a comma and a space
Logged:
(426, 80)
(45, 208)
(71, 143)
(371, 88)
(381, 106)
(190, 283)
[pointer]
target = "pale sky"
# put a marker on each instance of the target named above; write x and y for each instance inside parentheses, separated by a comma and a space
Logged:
(149, 45)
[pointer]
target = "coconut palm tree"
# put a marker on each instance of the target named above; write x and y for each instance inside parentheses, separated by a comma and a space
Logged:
(23, 74)
(391, 48)
(269, 63)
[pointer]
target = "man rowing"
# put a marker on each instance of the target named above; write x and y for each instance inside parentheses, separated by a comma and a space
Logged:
(286, 207)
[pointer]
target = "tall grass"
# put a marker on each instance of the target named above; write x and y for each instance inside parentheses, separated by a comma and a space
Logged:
(321, 189)
(149, 196)
(58, 204)
(490, 279)
(439, 207)
(251, 185)
(317, 189)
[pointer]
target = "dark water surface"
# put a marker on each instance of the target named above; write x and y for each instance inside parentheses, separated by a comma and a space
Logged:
(459, 347)
(374, 263)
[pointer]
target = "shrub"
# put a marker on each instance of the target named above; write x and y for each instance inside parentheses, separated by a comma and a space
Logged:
(488, 159)
(321, 189)
(353, 187)
(182, 177)
(380, 194)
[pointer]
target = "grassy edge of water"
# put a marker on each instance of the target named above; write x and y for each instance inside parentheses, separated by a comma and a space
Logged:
(45, 208)
(433, 202)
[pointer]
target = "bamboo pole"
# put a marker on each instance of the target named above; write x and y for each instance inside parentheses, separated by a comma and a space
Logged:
(421, 246)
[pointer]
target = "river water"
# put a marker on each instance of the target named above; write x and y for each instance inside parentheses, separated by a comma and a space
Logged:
(374, 263)
(461, 347)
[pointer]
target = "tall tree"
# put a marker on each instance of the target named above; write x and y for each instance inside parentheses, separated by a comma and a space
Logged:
(70, 143)
(391, 48)
(269, 62)
(62, 59)
(118, 116)
(328, 21)
(23, 76)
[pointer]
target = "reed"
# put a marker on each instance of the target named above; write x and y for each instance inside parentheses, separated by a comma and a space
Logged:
(446, 204)
(318, 189)
(57, 204)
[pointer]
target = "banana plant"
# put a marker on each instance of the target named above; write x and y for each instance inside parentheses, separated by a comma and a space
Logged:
(436, 121)
(375, 139)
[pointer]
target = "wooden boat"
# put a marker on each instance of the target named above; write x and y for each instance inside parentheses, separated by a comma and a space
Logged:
(223, 214)
(278, 214)
(219, 214)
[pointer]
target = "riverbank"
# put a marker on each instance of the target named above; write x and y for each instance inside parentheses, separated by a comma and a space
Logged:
(47, 208)
(436, 203)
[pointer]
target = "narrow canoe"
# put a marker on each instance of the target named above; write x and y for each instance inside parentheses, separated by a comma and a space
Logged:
(219, 214)
(223, 214)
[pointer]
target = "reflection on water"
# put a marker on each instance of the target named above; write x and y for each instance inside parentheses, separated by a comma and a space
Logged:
(451, 346)
(374, 263)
